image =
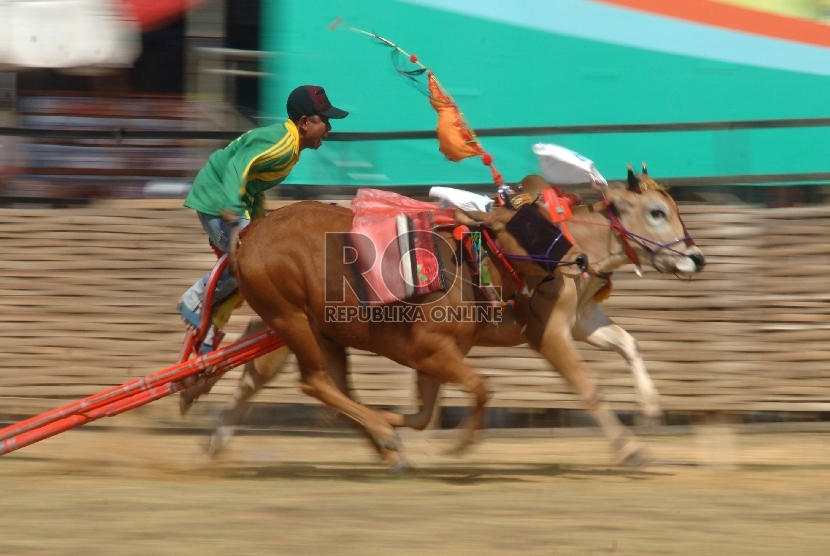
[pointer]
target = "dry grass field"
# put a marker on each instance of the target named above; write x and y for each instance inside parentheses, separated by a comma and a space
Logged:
(131, 492)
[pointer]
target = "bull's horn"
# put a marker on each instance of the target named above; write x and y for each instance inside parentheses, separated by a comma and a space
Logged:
(633, 182)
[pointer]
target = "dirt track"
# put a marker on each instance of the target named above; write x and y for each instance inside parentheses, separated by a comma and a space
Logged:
(130, 492)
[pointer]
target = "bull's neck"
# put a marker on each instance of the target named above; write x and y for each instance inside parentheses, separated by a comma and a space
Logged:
(593, 235)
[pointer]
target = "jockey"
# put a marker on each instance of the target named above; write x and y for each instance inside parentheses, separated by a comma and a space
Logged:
(230, 190)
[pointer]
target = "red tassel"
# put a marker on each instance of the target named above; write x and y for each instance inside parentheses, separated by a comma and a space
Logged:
(497, 178)
(413, 58)
(487, 159)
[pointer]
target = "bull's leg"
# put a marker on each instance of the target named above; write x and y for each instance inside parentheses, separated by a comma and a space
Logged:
(255, 375)
(189, 396)
(259, 372)
(505, 333)
(557, 347)
(338, 365)
(428, 389)
(312, 353)
(554, 341)
(437, 355)
(594, 327)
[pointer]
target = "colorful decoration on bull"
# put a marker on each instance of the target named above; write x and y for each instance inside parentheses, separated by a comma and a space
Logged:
(456, 138)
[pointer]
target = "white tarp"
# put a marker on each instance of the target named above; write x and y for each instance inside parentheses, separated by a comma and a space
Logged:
(66, 34)
(458, 198)
(561, 166)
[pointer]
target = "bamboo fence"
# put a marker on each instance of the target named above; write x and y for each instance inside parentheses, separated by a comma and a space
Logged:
(88, 295)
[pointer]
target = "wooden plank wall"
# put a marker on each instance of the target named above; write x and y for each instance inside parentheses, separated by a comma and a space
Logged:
(87, 298)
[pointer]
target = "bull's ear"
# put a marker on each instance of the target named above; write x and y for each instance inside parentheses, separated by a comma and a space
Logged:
(620, 196)
(471, 217)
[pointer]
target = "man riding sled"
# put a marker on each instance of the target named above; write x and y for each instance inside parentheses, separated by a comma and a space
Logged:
(230, 190)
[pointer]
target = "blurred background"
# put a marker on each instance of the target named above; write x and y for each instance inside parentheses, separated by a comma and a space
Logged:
(109, 108)
(127, 98)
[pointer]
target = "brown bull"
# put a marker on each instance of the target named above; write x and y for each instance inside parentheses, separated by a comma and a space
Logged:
(287, 264)
(560, 305)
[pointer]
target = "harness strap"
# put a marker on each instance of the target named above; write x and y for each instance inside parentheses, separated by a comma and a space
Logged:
(500, 254)
(623, 233)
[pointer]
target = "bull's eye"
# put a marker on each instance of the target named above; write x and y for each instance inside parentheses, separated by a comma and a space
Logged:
(658, 214)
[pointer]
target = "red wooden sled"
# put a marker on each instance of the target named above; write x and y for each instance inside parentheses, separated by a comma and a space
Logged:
(150, 388)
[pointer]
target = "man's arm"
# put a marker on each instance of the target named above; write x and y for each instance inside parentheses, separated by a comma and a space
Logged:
(253, 153)
(233, 186)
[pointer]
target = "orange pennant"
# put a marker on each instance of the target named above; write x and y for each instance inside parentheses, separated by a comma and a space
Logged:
(455, 140)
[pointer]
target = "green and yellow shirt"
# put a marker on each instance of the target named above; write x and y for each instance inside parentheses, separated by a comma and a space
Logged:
(236, 177)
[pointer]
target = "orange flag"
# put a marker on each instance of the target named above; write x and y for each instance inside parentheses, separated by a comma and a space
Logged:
(455, 140)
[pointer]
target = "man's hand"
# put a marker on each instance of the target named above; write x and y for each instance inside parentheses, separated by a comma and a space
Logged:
(230, 216)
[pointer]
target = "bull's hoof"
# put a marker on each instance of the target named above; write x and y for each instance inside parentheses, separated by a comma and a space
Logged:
(185, 402)
(463, 445)
(400, 467)
(390, 442)
(218, 441)
(632, 456)
(458, 450)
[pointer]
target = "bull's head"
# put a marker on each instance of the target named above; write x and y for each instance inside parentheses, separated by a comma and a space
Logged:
(651, 224)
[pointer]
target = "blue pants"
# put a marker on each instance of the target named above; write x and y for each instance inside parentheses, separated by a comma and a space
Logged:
(219, 232)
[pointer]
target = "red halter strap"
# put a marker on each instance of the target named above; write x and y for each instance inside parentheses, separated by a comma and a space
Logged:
(623, 233)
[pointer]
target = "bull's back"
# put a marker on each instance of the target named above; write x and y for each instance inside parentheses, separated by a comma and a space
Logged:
(305, 216)
(303, 224)
(286, 249)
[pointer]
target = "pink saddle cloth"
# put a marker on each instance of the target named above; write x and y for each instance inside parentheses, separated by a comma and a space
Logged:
(397, 252)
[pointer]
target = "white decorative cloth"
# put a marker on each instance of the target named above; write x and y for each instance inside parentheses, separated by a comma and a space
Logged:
(561, 166)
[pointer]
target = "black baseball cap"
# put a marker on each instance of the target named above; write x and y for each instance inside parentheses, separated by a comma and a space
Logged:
(308, 100)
